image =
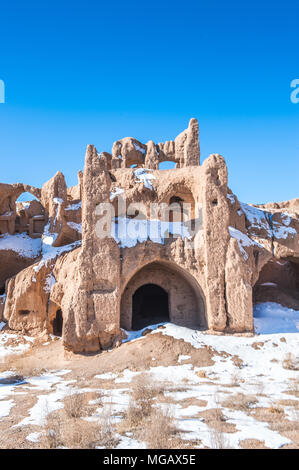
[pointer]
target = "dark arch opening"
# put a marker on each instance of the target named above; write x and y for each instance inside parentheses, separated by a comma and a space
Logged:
(149, 306)
(58, 323)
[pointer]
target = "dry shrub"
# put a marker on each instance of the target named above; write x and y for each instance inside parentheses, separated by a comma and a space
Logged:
(215, 418)
(218, 439)
(275, 410)
(75, 433)
(252, 444)
(64, 430)
(159, 430)
(143, 392)
(145, 389)
(201, 374)
(76, 405)
(133, 416)
(239, 402)
(107, 437)
(25, 364)
(290, 362)
(235, 379)
(293, 387)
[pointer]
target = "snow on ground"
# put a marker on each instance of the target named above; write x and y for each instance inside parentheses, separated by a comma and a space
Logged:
(13, 343)
(5, 407)
(21, 244)
(34, 436)
(274, 318)
(258, 372)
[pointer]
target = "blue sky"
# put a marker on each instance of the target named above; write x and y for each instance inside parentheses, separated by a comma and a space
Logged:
(93, 72)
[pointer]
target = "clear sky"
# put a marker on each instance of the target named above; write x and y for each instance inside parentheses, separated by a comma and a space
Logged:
(93, 72)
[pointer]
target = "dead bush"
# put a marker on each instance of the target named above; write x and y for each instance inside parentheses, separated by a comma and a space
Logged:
(107, 437)
(290, 362)
(76, 405)
(134, 416)
(201, 374)
(145, 388)
(144, 391)
(235, 379)
(275, 410)
(64, 431)
(218, 439)
(25, 365)
(293, 387)
(239, 402)
(159, 430)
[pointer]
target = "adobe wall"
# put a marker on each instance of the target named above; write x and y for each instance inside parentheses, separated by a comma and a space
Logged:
(209, 275)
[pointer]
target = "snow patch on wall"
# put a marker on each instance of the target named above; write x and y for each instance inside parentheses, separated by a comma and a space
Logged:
(243, 240)
(144, 177)
(74, 226)
(22, 244)
(49, 283)
(116, 192)
(256, 217)
(128, 232)
(74, 207)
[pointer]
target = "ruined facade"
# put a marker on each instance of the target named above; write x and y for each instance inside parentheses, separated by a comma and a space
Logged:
(58, 275)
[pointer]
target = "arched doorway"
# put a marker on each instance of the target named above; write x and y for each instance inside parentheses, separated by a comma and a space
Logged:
(150, 306)
(278, 282)
(30, 215)
(180, 296)
(58, 323)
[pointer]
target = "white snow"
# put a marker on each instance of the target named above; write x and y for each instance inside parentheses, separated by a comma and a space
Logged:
(243, 240)
(270, 317)
(34, 437)
(127, 442)
(116, 192)
(282, 231)
(260, 219)
(231, 198)
(17, 347)
(256, 217)
(50, 252)
(21, 244)
(261, 374)
(183, 357)
(49, 283)
(144, 177)
(58, 200)
(5, 407)
(74, 226)
(140, 149)
(128, 232)
(46, 403)
(74, 207)
(261, 368)
(106, 376)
